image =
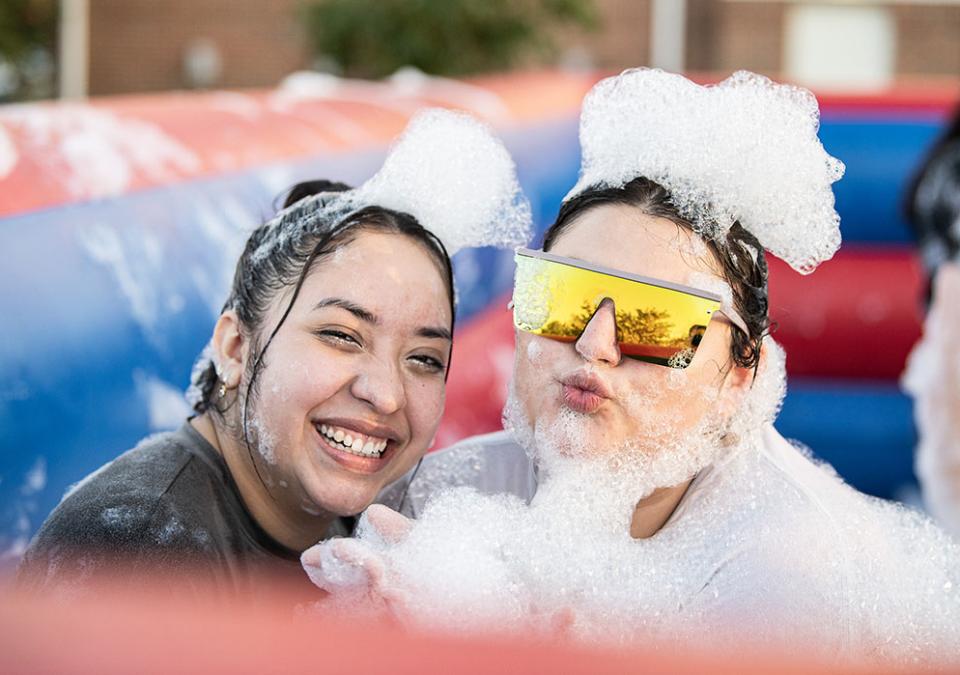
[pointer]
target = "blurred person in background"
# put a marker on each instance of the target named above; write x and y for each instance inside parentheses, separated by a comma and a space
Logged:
(933, 372)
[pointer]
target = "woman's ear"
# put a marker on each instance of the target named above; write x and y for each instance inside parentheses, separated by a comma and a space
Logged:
(742, 378)
(738, 383)
(230, 348)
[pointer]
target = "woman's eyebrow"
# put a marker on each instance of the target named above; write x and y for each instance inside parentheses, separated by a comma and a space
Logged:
(432, 332)
(435, 332)
(353, 308)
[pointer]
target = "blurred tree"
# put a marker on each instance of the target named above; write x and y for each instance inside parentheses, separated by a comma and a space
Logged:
(28, 34)
(641, 327)
(374, 38)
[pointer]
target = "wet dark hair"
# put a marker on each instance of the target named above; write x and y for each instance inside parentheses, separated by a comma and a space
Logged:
(932, 220)
(740, 255)
(260, 277)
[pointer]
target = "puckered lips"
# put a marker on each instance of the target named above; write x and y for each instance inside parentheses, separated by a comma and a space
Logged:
(584, 392)
(357, 445)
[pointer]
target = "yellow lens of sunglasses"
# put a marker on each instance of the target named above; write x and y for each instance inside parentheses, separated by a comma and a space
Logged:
(657, 321)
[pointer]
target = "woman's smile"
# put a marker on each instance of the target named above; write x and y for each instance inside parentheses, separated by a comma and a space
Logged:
(357, 445)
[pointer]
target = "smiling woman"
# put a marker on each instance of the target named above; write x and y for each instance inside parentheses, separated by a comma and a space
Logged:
(365, 361)
(323, 381)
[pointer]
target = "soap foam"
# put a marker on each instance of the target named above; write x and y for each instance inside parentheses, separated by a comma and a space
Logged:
(447, 170)
(767, 547)
(745, 149)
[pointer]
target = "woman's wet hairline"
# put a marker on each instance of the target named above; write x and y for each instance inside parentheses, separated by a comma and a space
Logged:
(706, 259)
(339, 243)
(282, 307)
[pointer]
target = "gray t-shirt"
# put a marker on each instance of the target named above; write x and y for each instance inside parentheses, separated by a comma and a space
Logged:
(168, 506)
(491, 463)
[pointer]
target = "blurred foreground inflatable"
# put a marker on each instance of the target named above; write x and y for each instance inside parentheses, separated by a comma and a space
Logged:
(121, 219)
(150, 633)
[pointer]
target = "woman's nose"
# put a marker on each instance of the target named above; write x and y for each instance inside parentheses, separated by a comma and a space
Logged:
(381, 386)
(598, 341)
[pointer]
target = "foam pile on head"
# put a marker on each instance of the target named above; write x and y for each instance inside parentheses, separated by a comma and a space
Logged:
(447, 170)
(743, 150)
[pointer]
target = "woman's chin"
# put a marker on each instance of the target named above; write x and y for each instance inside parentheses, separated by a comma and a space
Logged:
(342, 505)
(337, 493)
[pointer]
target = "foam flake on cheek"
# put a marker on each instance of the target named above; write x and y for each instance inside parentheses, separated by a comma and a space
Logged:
(264, 439)
(677, 378)
(534, 352)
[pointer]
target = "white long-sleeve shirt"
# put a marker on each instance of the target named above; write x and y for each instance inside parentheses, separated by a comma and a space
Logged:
(766, 546)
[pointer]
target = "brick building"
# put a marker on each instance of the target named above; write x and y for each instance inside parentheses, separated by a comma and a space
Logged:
(920, 39)
(148, 45)
(144, 45)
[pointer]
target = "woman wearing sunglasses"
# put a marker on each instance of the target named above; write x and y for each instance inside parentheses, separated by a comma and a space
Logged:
(323, 382)
(641, 488)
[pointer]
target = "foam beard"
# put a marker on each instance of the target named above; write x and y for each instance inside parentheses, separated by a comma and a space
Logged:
(612, 482)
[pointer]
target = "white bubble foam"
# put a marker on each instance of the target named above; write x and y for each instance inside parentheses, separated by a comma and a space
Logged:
(263, 439)
(450, 172)
(534, 352)
(447, 170)
(532, 294)
(745, 149)
(766, 546)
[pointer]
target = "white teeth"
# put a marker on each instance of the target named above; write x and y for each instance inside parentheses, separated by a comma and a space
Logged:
(353, 444)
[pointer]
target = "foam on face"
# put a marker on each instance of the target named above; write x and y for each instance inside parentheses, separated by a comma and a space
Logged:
(531, 295)
(745, 149)
(263, 440)
(534, 352)
(747, 557)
